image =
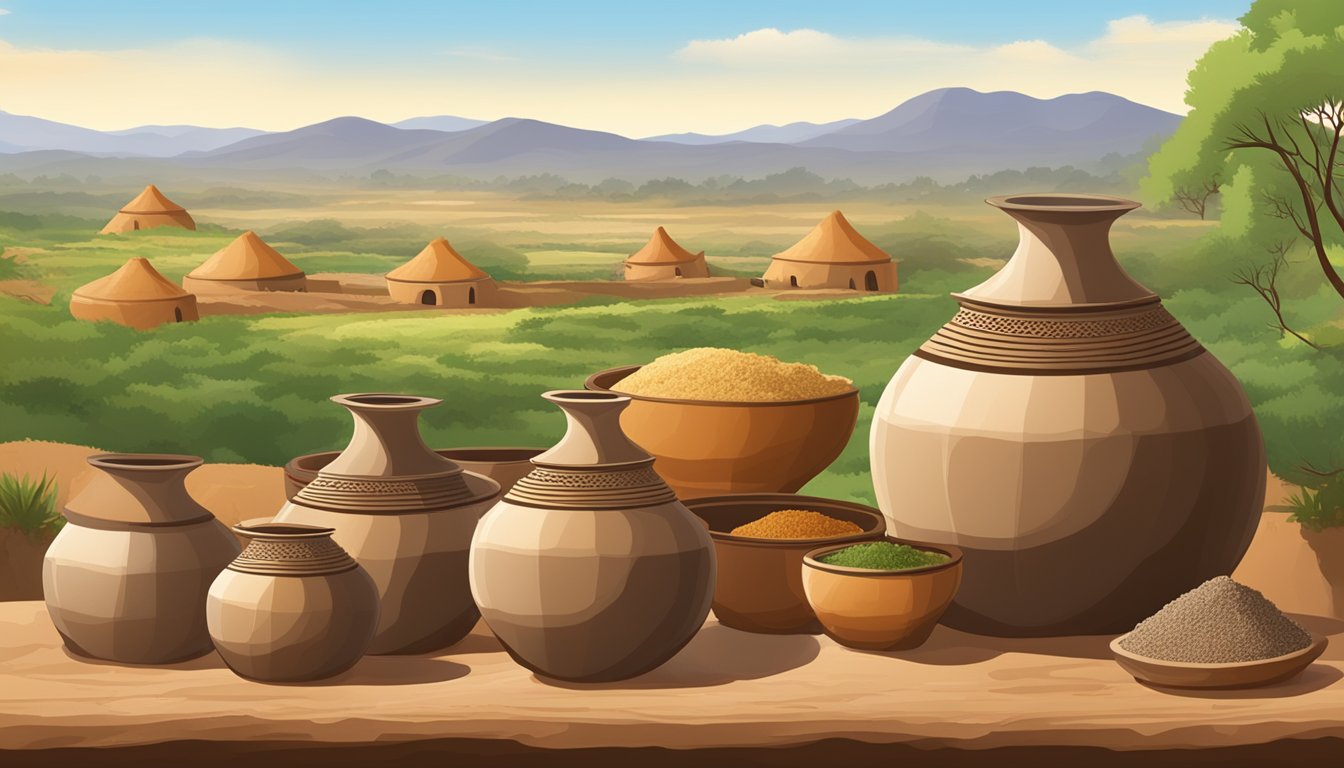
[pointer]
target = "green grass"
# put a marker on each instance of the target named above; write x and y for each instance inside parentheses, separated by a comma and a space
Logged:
(29, 505)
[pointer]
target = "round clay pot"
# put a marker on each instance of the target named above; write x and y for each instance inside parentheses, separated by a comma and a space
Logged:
(126, 578)
(759, 587)
(881, 610)
(505, 466)
(293, 607)
(711, 448)
(406, 514)
(1091, 459)
(590, 570)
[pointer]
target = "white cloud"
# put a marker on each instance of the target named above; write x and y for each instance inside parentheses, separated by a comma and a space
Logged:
(4, 12)
(761, 43)
(1142, 31)
(1032, 50)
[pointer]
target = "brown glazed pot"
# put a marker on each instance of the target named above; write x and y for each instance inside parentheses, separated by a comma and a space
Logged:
(759, 587)
(505, 466)
(590, 570)
(126, 578)
(293, 607)
(881, 610)
(710, 448)
(1091, 459)
(406, 514)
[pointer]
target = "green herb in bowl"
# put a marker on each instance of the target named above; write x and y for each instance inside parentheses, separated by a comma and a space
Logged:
(883, 556)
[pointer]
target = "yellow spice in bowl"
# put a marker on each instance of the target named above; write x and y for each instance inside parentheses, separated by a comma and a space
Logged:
(796, 524)
(726, 375)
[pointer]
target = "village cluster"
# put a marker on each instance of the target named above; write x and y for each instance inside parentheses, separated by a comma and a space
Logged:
(832, 256)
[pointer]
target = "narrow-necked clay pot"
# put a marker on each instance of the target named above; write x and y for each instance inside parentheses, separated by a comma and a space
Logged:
(590, 570)
(126, 578)
(407, 515)
(293, 607)
(505, 466)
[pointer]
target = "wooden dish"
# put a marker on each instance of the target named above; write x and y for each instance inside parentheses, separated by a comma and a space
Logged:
(1237, 674)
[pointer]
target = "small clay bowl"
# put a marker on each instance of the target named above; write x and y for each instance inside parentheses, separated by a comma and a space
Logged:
(703, 448)
(875, 610)
(1237, 674)
(505, 466)
(759, 587)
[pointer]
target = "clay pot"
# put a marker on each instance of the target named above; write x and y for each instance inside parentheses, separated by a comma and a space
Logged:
(293, 607)
(505, 466)
(590, 569)
(712, 448)
(126, 578)
(1091, 459)
(759, 587)
(406, 514)
(881, 610)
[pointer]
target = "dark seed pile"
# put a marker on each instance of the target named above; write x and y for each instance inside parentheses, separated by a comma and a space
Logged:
(1218, 622)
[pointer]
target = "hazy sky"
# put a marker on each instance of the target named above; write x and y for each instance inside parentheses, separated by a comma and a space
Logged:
(629, 67)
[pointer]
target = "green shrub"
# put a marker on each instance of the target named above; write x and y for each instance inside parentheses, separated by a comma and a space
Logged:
(29, 505)
(1317, 508)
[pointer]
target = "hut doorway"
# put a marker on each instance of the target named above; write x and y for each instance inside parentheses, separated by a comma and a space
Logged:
(177, 314)
(851, 284)
(793, 281)
(678, 271)
(135, 224)
(428, 298)
(870, 280)
(471, 295)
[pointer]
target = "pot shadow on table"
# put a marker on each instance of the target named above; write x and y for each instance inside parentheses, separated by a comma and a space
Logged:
(717, 655)
(370, 670)
(949, 647)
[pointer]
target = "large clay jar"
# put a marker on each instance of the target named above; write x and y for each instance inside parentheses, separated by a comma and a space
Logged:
(407, 515)
(126, 578)
(590, 570)
(1089, 457)
(293, 607)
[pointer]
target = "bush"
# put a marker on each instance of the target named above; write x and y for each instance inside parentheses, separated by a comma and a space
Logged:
(29, 505)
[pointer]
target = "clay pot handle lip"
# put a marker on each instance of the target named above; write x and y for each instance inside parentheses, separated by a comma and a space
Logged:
(144, 462)
(568, 396)
(384, 401)
(267, 528)
(1063, 202)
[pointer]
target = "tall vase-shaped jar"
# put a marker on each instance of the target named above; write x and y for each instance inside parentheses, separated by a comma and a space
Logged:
(589, 569)
(126, 578)
(1091, 459)
(406, 514)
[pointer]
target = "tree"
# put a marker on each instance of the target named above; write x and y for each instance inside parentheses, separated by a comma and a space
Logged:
(1269, 99)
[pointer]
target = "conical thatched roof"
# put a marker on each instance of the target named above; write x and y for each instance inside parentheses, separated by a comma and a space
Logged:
(439, 262)
(662, 249)
(136, 280)
(246, 258)
(151, 200)
(834, 241)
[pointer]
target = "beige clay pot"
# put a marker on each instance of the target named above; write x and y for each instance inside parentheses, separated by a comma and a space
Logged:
(126, 578)
(406, 514)
(1088, 456)
(590, 570)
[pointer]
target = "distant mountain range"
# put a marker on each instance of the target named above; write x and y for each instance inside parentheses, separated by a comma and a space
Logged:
(947, 134)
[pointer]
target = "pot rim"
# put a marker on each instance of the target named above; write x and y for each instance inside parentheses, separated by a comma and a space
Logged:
(268, 528)
(625, 370)
(384, 401)
(875, 534)
(954, 554)
(585, 396)
(144, 462)
(1063, 202)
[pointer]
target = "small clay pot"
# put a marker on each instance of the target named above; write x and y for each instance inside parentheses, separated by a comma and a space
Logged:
(126, 578)
(707, 448)
(760, 581)
(881, 610)
(293, 607)
(505, 466)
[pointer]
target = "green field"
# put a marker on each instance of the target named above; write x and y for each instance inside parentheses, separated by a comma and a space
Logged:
(254, 388)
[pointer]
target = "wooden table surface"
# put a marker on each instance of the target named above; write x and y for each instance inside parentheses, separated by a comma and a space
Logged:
(726, 689)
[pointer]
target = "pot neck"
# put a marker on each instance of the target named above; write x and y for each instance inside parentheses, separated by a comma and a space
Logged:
(593, 434)
(1063, 257)
(386, 440)
(143, 489)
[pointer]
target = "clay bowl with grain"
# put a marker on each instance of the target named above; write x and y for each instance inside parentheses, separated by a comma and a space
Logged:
(875, 610)
(703, 447)
(1236, 674)
(505, 466)
(759, 587)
